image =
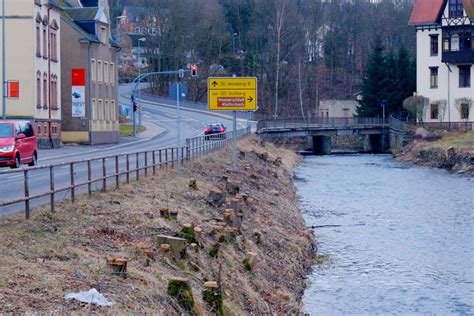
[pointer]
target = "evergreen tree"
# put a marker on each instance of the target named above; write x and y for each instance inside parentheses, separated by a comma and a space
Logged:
(374, 83)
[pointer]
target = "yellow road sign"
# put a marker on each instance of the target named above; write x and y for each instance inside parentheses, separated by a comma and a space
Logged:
(232, 94)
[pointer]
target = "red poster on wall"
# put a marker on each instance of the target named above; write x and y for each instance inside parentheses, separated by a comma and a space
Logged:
(13, 89)
(78, 77)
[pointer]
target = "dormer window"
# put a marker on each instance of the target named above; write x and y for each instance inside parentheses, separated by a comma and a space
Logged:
(103, 34)
(455, 9)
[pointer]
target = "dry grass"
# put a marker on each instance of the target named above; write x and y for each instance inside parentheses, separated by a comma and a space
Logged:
(54, 254)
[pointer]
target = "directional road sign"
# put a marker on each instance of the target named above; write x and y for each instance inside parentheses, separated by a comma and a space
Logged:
(232, 93)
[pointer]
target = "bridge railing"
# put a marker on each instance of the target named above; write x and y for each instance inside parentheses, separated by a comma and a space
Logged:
(321, 122)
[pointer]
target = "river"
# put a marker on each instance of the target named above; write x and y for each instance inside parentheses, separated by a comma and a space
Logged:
(394, 238)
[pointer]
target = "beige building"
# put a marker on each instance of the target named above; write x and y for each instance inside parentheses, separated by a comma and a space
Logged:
(32, 57)
(90, 106)
(337, 108)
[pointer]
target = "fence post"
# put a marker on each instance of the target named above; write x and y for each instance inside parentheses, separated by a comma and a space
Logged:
(104, 175)
(172, 157)
(117, 176)
(188, 149)
(166, 158)
(73, 193)
(27, 195)
(89, 177)
(138, 166)
(159, 157)
(51, 186)
(146, 164)
(153, 160)
(128, 168)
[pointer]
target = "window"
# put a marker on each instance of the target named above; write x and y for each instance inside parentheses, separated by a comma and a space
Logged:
(112, 73)
(38, 90)
(106, 72)
(38, 36)
(100, 111)
(93, 70)
(106, 110)
(45, 91)
(38, 129)
(464, 111)
(113, 110)
(99, 71)
(103, 34)
(94, 109)
(464, 76)
(455, 8)
(46, 130)
(434, 111)
(434, 44)
(445, 44)
(433, 77)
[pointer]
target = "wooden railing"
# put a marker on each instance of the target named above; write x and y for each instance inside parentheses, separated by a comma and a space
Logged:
(117, 169)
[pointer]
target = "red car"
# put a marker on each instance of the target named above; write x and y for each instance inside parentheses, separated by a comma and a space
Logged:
(17, 143)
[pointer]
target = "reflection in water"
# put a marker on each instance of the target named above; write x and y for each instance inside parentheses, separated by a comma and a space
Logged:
(398, 238)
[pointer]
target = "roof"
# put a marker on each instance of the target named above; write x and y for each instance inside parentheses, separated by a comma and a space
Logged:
(469, 7)
(427, 12)
(82, 14)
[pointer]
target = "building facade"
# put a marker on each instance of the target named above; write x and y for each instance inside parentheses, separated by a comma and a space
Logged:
(89, 85)
(33, 61)
(445, 58)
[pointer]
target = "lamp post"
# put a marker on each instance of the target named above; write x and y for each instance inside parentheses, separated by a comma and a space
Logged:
(4, 96)
(142, 39)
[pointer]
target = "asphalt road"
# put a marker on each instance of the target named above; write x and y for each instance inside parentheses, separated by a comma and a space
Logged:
(161, 122)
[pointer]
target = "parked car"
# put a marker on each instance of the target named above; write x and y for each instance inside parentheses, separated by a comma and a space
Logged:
(215, 128)
(18, 144)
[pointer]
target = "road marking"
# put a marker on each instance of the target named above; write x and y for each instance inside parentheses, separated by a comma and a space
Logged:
(18, 176)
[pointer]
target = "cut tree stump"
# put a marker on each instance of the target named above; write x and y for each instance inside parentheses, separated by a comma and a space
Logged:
(193, 184)
(164, 248)
(181, 290)
(177, 245)
(235, 205)
(230, 232)
(239, 218)
(198, 233)
(216, 197)
(212, 295)
(250, 260)
(233, 187)
(164, 212)
(229, 216)
(118, 265)
(173, 214)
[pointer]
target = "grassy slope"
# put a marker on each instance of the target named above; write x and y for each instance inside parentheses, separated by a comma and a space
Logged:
(457, 140)
(54, 254)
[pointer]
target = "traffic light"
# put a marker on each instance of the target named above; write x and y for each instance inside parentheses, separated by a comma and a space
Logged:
(194, 71)
(135, 107)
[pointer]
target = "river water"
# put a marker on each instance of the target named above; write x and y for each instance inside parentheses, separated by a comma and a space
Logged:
(395, 238)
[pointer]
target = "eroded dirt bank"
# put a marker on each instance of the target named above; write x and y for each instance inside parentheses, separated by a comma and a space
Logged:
(54, 254)
(454, 152)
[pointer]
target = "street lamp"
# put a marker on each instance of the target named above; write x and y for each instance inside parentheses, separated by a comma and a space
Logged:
(141, 39)
(4, 97)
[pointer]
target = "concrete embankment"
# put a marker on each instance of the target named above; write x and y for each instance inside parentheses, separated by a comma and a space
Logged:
(230, 242)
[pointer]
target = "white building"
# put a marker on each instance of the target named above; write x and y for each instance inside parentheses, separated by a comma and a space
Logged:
(445, 57)
(33, 61)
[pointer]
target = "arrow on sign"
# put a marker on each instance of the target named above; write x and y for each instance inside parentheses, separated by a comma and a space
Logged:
(214, 84)
(250, 99)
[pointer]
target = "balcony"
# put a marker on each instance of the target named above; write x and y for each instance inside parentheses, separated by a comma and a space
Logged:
(458, 57)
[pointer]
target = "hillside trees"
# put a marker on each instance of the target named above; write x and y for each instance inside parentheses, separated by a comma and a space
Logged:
(301, 51)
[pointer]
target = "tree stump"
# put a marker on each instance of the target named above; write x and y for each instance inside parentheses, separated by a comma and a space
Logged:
(193, 184)
(212, 295)
(181, 290)
(216, 197)
(164, 212)
(235, 205)
(233, 187)
(177, 245)
(165, 248)
(197, 233)
(118, 265)
(229, 216)
(239, 218)
(250, 260)
(230, 232)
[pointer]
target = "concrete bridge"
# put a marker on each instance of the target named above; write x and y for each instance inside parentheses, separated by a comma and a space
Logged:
(379, 134)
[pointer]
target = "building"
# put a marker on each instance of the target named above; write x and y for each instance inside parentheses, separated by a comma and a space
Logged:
(445, 58)
(89, 71)
(337, 108)
(33, 63)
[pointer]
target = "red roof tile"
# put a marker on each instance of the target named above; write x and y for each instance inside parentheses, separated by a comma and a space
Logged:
(427, 11)
(469, 7)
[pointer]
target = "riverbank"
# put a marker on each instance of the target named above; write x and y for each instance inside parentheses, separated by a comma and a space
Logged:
(259, 270)
(453, 151)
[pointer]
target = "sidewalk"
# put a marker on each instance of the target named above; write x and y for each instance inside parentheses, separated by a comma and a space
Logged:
(66, 150)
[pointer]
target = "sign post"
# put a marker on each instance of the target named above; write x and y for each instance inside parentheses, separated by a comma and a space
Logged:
(232, 94)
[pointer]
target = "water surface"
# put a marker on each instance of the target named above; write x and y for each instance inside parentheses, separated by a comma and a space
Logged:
(399, 239)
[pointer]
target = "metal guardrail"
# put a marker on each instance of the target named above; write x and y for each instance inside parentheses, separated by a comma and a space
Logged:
(122, 166)
(457, 126)
(322, 122)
